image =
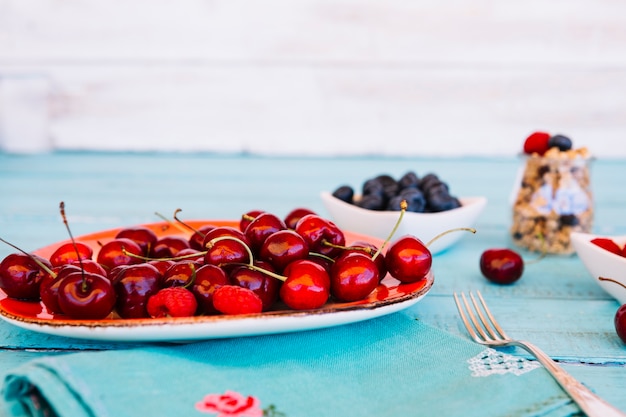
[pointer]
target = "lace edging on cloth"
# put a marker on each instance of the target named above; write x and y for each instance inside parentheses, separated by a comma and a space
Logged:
(490, 362)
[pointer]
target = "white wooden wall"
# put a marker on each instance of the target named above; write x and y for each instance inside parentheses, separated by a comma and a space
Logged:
(313, 77)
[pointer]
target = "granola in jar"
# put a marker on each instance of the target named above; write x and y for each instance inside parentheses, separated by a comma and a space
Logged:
(553, 199)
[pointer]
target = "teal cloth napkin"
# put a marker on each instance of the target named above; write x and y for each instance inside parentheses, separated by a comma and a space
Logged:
(389, 366)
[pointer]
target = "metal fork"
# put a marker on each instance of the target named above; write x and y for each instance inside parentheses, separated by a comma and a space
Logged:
(486, 331)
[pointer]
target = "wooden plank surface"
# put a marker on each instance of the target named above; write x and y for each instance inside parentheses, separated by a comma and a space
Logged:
(313, 77)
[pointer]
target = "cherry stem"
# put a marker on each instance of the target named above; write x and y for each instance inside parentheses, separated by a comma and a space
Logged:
(458, 229)
(196, 231)
(403, 207)
(250, 264)
(176, 225)
(328, 258)
(247, 217)
(80, 260)
(192, 279)
(259, 269)
(612, 280)
(37, 261)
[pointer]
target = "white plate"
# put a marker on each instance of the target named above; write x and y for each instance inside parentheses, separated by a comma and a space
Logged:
(390, 296)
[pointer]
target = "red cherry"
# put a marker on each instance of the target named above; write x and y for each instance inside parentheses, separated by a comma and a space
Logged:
(232, 299)
(208, 279)
(501, 266)
(264, 285)
(21, 275)
(116, 252)
(180, 273)
(408, 259)
(172, 302)
(169, 246)
(293, 217)
(370, 249)
(223, 251)
(143, 236)
(537, 142)
(353, 276)
(83, 295)
(322, 235)
(162, 264)
(607, 244)
(67, 254)
(307, 285)
(620, 322)
(261, 227)
(134, 284)
(283, 247)
(196, 241)
(247, 218)
(224, 231)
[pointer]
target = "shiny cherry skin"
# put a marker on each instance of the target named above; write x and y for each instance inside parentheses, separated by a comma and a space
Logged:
(144, 237)
(224, 252)
(134, 285)
(83, 295)
(283, 247)
(162, 264)
(180, 274)
(318, 231)
(371, 249)
(307, 285)
(246, 218)
(501, 265)
(224, 231)
(353, 276)
(265, 286)
(408, 259)
(261, 227)
(620, 322)
(293, 217)
(67, 254)
(208, 279)
(49, 288)
(112, 254)
(196, 240)
(169, 246)
(21, 275)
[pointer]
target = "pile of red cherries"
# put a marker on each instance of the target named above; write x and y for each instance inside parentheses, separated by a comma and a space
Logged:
(298, 262)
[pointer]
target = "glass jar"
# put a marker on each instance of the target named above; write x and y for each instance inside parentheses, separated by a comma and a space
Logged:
(553, 198)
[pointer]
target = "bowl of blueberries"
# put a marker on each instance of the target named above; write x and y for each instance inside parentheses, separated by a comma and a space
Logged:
(431, 210)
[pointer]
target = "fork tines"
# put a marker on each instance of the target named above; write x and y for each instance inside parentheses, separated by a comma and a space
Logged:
(484, 329)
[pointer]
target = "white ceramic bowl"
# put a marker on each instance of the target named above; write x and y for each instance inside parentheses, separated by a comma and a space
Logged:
(424, 226)
(606, 268)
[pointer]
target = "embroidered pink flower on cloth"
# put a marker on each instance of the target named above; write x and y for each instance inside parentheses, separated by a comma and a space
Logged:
(230, 404)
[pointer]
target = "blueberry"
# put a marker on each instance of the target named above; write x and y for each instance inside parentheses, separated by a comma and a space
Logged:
(409, 180)
(344, 193)
(371, 202)
(568, 220)
(416, 202)
(560, 141)
(442, 202)
(373, 187)
(390, 186)
(428, 181)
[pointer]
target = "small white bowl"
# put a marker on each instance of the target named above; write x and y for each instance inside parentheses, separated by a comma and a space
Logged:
(424, 226)
(606, 268)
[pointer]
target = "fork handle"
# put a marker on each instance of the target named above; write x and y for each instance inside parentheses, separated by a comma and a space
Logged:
(589, 403)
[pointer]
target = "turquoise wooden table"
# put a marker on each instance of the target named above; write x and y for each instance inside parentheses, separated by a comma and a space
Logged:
(556, 304)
